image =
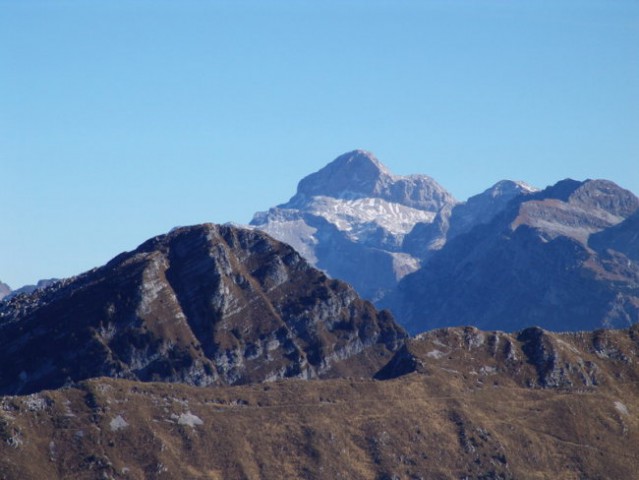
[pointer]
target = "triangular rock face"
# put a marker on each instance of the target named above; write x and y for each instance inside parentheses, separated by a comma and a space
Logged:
(4, 290)
(531, 265)
(350, 219)
(203, 305)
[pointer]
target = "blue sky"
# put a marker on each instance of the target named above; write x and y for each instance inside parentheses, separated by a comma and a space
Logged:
(122, 119)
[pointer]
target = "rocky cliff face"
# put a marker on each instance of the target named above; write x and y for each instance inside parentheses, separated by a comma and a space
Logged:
(201, 305)
(350, 219)
(532, 265)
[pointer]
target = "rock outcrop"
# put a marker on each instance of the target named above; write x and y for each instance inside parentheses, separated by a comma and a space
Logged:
(531, 358)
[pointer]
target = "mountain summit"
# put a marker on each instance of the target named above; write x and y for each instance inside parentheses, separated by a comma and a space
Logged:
(359, 174)
(354, 174)
(350, 219)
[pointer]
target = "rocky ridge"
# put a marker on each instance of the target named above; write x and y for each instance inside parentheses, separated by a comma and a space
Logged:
(201, 305)
(454, 403)
(530, 358)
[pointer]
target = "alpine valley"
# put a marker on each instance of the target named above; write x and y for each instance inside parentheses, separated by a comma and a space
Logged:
(280, 350)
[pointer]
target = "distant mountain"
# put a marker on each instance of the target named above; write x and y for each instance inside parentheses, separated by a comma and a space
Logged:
(201, 305)
(31, 288)
(350, 219)
(561, 258)
(4, 290)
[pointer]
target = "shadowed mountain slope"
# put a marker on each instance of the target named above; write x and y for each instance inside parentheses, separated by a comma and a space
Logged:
(532, 265)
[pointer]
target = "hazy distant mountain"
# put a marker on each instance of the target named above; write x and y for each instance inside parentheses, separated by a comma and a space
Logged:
(532, 265)
(31, 288)
(4, 290)
(350, 219)
(202, 305)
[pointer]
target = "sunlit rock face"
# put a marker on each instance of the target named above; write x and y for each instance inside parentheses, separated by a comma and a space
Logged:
(561, 258)
(351, 217)
(202, 305)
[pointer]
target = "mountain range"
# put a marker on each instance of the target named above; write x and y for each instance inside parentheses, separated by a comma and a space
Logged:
(218, 351)
(513, 256)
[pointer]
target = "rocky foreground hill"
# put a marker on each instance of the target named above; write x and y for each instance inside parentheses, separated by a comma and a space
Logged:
(201, 305)
(451, 404)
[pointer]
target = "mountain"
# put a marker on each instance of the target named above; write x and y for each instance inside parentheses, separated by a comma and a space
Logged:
(202, 305)
(534, 264)
(30, 288)
(455, 403)
(350, 219)
(4, 290)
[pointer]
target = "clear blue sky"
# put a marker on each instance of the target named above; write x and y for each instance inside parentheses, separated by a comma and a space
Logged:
(121, 119)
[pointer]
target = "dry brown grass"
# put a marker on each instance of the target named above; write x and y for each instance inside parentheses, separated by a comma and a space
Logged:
(431, 425)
